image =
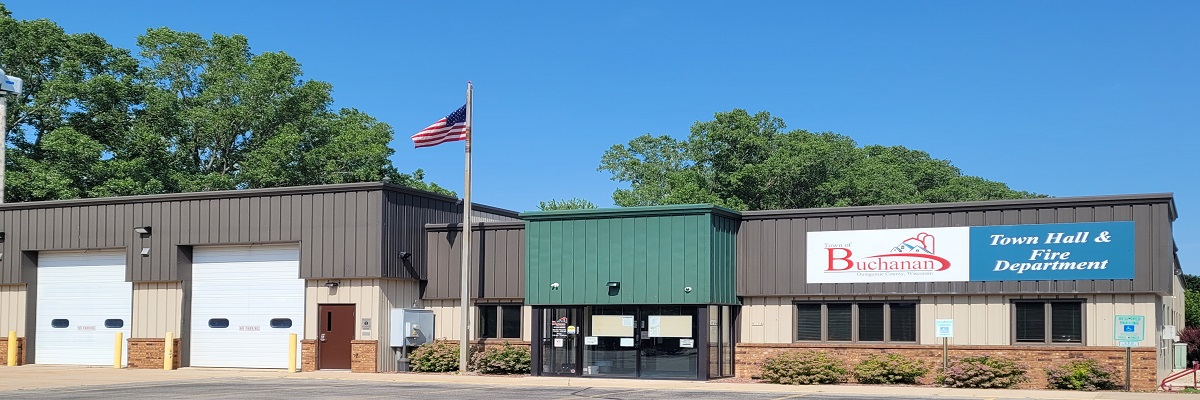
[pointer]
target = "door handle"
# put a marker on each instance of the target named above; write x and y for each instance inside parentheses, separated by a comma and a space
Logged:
(322, 338)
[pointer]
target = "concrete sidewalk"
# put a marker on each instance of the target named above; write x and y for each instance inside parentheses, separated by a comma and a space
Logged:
(44, 376)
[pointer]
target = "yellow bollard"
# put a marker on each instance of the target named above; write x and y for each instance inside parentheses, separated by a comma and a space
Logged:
(117, 349)
(12, 348)
(292, 352)
(168, 352)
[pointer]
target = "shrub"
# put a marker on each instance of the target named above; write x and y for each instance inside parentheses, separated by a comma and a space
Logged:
(803, 368)
(1082, 375)
(982, 372)
(889, 369)
(439, 356)
(504, 359)
(1191, 336)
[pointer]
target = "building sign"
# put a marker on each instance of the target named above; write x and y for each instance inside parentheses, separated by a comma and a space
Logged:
(945, 328)
(889, 255)
(1129, 328)
(1090, 250)
(1075, 251)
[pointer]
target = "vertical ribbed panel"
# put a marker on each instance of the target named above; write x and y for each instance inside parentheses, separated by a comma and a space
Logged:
(351, 233)
(656, 259)
(157, 309)
(12, 309)
(498, 256)
(772, 254)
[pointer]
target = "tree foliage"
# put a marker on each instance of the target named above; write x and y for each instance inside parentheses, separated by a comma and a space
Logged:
(185, 113)
(1190, 282)
(1191, 308)
(566, 204)
(752, 162)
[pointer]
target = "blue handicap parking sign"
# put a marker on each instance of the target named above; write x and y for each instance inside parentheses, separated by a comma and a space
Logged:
(1129, 328)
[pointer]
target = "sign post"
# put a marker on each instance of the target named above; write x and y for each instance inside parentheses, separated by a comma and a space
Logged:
(945, 330)
(1129, 331)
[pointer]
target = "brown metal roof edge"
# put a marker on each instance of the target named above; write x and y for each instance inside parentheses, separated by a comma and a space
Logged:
(490, 225)
(475, 206)
(240, 193)
(989, 205)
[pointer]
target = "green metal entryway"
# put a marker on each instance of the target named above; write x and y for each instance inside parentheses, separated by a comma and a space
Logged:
(642, 292)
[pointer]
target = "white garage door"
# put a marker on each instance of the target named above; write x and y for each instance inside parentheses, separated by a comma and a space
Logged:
(83, 300)
(245, 302)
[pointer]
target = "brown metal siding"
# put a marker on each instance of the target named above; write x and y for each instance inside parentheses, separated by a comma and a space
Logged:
(341, 228)
(404, 222)
(497, 254)
(772, 247)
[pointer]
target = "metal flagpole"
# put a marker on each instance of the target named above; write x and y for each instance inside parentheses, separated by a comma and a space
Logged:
(466, 248)
(3, 137)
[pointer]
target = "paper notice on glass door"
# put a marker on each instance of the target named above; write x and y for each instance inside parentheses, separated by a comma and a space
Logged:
(558, 342)
(655, 329)
(626, 342)
(627, 321)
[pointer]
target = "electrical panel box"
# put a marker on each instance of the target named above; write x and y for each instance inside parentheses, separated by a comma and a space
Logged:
(411, 327)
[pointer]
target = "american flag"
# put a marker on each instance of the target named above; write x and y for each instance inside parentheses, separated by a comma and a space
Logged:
(451, 128)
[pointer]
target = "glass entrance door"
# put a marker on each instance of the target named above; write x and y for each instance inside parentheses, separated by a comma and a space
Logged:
(560, 346)
(641, 342)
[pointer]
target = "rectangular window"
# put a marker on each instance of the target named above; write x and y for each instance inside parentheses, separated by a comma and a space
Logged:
(870, 322)
(500, 321)
(510, 322)
(903, 322)
(1048, 322)
(1031, 322)
(808, 321)
(839, 323)
(856, 322)
(1066, 323)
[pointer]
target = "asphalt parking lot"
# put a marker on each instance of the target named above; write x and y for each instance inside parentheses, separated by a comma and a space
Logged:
(262, 389)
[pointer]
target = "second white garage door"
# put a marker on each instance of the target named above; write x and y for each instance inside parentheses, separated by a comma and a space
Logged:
(245, 302)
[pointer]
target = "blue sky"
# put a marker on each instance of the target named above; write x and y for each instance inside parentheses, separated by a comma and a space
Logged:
(1063, 98)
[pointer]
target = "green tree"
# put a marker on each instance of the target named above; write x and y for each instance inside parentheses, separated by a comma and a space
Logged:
(1191, 308)
(1190, 282)
(566, 204)
(185, 114)
(752, 162)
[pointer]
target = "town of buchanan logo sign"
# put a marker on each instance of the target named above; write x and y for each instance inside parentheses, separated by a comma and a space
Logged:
(891, 255)
(913, 254)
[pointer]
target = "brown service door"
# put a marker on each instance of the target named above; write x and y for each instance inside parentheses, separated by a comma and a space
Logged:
(335, 330)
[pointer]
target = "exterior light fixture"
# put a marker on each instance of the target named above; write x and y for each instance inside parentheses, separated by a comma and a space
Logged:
(405, 255)
(145, 252)
(331, 284)
(614, 284)
(1, 237)
(1, 256)
(144, 230)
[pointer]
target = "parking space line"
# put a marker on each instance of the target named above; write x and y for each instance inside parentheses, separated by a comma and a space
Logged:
(794, 396)
(600, 396)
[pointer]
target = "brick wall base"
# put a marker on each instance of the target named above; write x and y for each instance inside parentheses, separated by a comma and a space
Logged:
(147, 353)
(1035, 359)
(483, 344)
(4, 351)
(308, 355)
(364, 356)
